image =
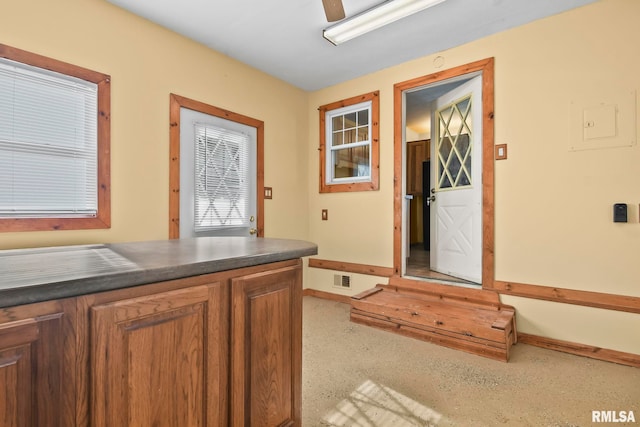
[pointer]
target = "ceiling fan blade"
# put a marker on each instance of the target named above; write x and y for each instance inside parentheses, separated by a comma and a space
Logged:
(333, 9)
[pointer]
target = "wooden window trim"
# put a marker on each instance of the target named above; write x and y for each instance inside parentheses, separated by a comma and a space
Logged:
(372, 184)
(103, 216)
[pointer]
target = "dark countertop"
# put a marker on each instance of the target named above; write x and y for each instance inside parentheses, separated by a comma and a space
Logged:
(42, 274)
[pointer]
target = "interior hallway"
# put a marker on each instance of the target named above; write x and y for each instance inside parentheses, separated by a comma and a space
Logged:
(418, 265)
(355, 375)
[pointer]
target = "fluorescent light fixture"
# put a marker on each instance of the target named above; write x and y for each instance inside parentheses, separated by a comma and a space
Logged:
(376, 17)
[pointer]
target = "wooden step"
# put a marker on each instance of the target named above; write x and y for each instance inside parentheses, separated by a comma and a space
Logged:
(471, 320)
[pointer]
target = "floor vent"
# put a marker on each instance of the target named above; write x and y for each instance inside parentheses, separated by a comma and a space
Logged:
(340, 281)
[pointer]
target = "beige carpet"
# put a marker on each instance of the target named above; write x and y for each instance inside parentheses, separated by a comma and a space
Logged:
(354, 375)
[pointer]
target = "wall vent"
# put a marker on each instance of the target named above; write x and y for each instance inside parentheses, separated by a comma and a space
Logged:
(340, 281)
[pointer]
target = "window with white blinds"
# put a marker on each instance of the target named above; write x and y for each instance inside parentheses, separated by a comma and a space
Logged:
(222, 182)
(48, 143)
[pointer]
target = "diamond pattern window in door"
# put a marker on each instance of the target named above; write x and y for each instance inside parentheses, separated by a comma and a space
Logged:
(221, 178)
(453, 147)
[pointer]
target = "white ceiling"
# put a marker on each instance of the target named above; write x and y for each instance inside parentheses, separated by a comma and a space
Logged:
(283, 38)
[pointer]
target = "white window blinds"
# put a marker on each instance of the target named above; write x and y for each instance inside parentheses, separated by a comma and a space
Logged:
(222, 184)
(48, 143)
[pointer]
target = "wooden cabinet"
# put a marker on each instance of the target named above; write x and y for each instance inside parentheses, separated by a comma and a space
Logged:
(266, 336)
(216, 350)
(156, 360)
(417, 152)
(37, 362)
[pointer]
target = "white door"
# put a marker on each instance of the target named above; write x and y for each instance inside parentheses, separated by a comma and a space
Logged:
(456, 180)
(218, 178)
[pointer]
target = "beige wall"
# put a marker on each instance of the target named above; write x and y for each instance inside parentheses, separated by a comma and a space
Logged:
(146, 64)
(553, 217)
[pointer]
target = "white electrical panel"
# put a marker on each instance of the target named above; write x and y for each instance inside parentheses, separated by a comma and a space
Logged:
(602, 121)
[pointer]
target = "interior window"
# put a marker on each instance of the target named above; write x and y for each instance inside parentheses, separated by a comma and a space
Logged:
(349, 155)
(54, 144)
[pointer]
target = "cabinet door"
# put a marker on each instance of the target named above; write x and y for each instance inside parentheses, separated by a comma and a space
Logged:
(266, 342)
(37, 358)
(156, 360)
(417, 152)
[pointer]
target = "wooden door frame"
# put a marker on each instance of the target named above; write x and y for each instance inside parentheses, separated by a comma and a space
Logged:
(175, 103)
(486, 67)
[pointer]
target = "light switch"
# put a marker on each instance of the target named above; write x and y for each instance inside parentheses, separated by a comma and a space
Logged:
(501, 151)
(325, 214)
(268, 193)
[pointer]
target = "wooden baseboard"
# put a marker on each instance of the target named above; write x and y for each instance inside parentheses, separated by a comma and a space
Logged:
(598, 353)
(350, 267)
(326, 295)
(630, 304)
(570, 296)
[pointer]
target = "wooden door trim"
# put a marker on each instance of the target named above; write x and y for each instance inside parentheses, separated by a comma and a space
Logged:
(486, 67)
(175, 103)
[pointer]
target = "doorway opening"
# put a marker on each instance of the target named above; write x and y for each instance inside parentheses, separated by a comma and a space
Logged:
(219, 189)
(443, 195)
